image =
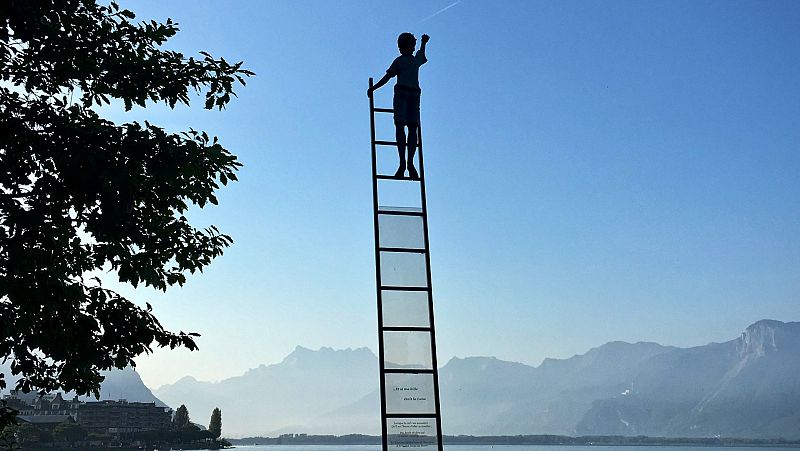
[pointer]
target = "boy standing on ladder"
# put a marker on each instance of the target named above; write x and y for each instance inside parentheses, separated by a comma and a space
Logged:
(406, 98)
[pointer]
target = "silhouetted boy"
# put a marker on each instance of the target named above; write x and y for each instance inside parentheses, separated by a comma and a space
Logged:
(406, 98)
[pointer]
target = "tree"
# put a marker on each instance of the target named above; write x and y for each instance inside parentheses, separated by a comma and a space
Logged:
(69, 432)
(181, 419)
(27, 433)
(215, 425)
(8, 428)
(8, 436)
(191, 432)
(80, 194)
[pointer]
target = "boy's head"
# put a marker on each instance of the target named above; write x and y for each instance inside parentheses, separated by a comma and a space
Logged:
(406, 43)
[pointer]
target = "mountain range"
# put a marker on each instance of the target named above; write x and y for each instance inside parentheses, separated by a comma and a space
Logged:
(745, 387)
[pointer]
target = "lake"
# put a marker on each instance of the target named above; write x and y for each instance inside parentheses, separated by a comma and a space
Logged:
(499, 448)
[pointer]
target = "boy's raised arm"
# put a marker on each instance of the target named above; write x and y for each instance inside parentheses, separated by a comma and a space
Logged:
(425, 39)
(421, 51)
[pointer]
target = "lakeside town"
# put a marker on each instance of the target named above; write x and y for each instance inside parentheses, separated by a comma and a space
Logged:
(52, 420)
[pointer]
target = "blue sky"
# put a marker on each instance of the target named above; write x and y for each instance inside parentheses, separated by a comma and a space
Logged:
(596, 171)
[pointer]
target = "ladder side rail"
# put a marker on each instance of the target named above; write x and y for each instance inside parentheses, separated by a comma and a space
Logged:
(434, 359)
(381, 361)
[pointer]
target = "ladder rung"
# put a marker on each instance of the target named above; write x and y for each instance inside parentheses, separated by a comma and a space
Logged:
(405, 329)
(402, 249)
(383, 110)
(391, 177)
(398, 212)
(396, 288)
(408, 370)
(411, 415)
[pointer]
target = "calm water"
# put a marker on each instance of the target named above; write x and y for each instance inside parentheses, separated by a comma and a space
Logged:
(500, 448)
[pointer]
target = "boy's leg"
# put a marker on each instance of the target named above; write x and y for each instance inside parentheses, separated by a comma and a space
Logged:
(400, 136)
(412, 149)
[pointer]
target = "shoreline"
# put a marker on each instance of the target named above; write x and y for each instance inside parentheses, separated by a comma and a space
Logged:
(542, 440)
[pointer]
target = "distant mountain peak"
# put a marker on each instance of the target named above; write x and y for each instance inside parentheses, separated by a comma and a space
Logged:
(328, 349)
(765, 324)
(620, 351)
(760, 338)
(187, 380)
(324, 357)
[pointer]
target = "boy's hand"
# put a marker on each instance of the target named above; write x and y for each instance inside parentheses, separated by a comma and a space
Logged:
(425, 38)
(369, 92)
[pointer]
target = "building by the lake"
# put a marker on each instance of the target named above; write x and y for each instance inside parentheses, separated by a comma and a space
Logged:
(104, 417)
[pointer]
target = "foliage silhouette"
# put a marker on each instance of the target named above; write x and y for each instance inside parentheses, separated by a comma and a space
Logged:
(181, 419)
(69, 432)
(80, 194)
(215, 424)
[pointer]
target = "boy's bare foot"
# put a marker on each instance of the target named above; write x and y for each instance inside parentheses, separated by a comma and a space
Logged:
(412, 172)
(401, 172)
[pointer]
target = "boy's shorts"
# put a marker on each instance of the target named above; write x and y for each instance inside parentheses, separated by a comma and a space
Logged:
(406, 105)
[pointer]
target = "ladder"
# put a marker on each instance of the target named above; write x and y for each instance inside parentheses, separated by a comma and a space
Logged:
(409, 374)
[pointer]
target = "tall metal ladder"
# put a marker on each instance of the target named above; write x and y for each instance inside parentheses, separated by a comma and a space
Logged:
(410, 409)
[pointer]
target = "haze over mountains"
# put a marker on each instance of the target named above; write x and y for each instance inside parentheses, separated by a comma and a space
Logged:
(745, 387)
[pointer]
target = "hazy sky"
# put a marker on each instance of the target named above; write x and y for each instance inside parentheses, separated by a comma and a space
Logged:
(597, 171)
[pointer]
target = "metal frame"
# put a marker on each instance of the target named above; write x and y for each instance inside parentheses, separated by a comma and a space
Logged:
(425, 251)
